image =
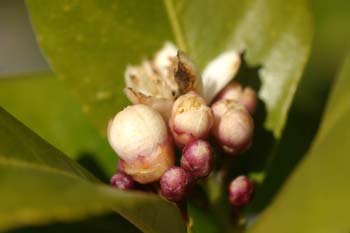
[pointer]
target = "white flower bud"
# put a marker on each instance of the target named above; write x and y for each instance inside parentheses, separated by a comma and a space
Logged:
(190, 119)
(139, 136)
(233, 126)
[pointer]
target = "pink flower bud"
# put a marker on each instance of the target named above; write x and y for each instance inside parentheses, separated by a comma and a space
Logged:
(234, 91)
(240, 191)
(190, 119)
(197, 158)
(174, 184)
(139, 136)
(233, 127)
(122, 181)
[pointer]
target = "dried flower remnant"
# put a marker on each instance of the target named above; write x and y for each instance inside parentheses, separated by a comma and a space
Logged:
(233, 126)
(190, 119)
(139, 136)
(174, 184)
(197, 158)
(159, 82)
(186, 74)
(240, 191)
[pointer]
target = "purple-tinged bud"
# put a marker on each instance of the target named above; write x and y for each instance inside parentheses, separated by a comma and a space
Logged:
(139, 135)
(174, 184)
(233, 126)
(234, 91)
(190, 119)
(122, 181)
(240, 191)
(197, 158)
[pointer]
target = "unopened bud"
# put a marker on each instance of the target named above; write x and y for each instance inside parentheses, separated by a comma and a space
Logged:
(197, 158)
(174, 184)
(234, 91)
(122, 181)
(233, 127)
(139, 136)
(190, 119)
(240, 191)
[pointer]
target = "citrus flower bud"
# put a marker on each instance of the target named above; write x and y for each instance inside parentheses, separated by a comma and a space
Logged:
(138, 134)
(246, 96)
(190, 119)
(174, 184)
(122, 181)
(233, 126)
(197, 158)
(240, 191)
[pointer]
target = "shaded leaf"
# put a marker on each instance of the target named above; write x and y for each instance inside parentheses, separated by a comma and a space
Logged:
(43, 104)
(316, 197)
(41, 185)
(112, 223)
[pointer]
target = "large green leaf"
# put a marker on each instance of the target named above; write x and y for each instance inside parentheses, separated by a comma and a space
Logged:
(39, 184)
(43, 104)
(316, 196)
(89, 43)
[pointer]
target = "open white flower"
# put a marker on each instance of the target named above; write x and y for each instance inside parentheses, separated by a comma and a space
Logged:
(171, 73)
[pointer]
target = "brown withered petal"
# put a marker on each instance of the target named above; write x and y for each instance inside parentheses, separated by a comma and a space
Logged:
(161, 105)
(186, 74)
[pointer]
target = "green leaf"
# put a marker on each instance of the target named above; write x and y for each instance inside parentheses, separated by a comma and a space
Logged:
(90, 43)
(316, 196)
(102, 224)
(20, 147)
(42, 103)
(39, 184)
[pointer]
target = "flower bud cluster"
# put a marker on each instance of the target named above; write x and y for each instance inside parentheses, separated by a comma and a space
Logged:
(145, 137)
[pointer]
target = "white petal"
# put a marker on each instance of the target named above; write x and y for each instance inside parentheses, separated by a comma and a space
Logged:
(162, 59)
(219, 72)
